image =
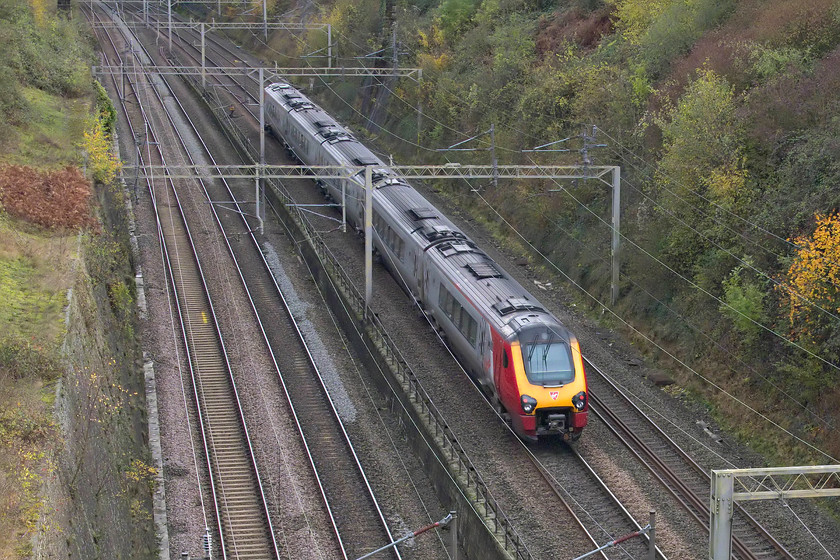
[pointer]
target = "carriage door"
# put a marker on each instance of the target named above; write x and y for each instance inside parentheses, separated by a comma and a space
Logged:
(486, 351)
(418, 279)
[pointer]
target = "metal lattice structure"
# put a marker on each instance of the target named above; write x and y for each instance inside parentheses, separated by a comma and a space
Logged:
(288, 26)
(413, 73)
(256, 172)
(446, 171)
(743, 485)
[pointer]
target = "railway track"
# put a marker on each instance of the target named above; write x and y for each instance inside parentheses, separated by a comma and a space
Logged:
(242, 521)
(750, 540)
(594, 504)
(608, 517)
(358, 521)
(676, 470)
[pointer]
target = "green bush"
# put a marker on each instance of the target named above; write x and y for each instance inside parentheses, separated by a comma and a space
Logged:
(454, 15)
(108, 115)
(51, 55)
(745, 304)
(13, 106)
(104, 257)
(768, 62)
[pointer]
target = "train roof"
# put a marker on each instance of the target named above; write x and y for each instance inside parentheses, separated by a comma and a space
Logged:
(509, 306)
(481, 279)
(322, 125)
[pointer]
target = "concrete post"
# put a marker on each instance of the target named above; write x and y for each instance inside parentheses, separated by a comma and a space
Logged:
(616, 236)
(652, 536)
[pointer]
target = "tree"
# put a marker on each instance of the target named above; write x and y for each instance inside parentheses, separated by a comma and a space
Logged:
(815, 276)
(702, 162)
(635, 16)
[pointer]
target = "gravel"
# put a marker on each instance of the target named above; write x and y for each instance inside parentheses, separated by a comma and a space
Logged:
(399, 479)
(299, 519)
(301, 311)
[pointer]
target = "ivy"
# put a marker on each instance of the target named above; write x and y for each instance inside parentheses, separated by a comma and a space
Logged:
(108, 115)
(745, 304)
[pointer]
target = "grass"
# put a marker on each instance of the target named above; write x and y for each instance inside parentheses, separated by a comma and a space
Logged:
(36, 271)
(49, 139)
(35, 274)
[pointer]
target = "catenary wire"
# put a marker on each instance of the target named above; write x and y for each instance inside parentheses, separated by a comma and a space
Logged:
(609, 226)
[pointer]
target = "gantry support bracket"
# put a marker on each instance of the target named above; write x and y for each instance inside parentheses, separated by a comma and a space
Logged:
(742, 485)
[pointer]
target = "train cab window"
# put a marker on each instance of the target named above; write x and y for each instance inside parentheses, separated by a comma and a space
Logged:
(505, 361)
(547, 359)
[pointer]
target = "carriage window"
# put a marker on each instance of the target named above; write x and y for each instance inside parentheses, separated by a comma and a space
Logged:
(472, 331)
(459, 316)
(388, 235)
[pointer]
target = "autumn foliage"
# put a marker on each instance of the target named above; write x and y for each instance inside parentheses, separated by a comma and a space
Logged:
(815, 276)
(52, 199)
(96, 142)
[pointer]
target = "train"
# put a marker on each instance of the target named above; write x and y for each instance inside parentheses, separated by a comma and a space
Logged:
(527, 363)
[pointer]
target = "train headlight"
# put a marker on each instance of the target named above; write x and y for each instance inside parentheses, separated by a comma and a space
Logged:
(579, 400)
(528, 404)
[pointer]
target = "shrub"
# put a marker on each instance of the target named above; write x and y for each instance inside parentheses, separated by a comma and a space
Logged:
(745, 304)
(675, 31)
(636, 16)
(96, 143)
(701, 133)
(12, 104)
(21, 358)
(108, 115)
(454, 15)
(104, 256)
(53, 58)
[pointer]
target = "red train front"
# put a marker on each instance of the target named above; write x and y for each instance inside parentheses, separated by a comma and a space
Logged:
(539, 377)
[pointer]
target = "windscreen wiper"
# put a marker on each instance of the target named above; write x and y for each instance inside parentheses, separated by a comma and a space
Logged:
(547, 348)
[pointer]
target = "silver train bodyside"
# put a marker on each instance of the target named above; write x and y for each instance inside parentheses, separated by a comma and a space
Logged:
(479, 307)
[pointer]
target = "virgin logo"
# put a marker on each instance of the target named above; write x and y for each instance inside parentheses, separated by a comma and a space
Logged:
(555, 394)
